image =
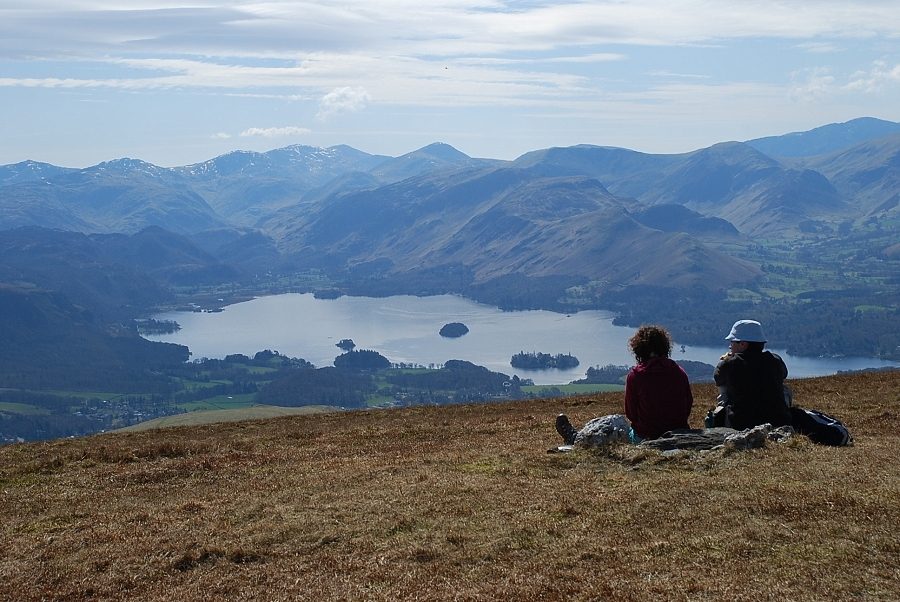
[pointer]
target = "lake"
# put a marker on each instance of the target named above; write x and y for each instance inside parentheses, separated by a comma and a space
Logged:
(405, 330)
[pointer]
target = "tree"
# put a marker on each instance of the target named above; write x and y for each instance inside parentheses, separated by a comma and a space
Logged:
(365, 359)
(453, 330)
(346, 344)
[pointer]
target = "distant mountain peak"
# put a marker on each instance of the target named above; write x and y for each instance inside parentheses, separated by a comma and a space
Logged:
(125, 163)
(442, 151)
(826, 139)
(30, 171)
(127, 166)
(300, 149)
(733, 152)
(435, 156)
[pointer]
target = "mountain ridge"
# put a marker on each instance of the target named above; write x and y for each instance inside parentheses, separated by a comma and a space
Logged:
(241, 188)
(561, 228)
(826, 139)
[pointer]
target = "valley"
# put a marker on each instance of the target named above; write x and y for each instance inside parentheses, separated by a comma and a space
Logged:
(798, 231)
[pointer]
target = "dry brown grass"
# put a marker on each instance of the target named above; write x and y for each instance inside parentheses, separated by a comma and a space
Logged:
(456, 503)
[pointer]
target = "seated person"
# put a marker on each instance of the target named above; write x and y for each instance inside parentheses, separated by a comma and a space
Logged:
(658, 394)
(751, 380)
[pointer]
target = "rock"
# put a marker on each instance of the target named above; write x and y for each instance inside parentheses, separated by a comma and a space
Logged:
(604, 430)
(749, 438)
(615, 428)
(690, 439)
(781, 434)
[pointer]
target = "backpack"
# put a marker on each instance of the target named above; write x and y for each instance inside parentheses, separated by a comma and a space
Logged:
(820, 427)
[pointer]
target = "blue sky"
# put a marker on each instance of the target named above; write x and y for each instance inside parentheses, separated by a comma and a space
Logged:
(175, 83)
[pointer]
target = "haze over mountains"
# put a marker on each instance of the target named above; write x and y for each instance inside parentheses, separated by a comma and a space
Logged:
(588, 212)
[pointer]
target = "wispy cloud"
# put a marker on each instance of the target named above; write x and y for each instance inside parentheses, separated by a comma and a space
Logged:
(279, 132)
(395, 50)
(671, 75)
(819, 47)
(601, 57)
(489, 66)
(402, 27)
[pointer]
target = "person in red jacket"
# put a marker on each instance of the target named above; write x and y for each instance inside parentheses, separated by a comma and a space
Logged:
(658, 395)
(657, 392)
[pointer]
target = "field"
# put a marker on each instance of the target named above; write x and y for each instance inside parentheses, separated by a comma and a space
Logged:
(571, 389)
(457, 502)
(235, 414)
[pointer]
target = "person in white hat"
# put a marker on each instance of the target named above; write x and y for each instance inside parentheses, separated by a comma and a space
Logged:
(751, 380)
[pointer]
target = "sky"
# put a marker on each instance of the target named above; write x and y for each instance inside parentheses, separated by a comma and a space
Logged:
(177, 82)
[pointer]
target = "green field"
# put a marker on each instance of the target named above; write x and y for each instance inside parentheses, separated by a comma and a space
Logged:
(221, 402)
(573, 389)
(22, 408)
(251, 412)
(84, 394)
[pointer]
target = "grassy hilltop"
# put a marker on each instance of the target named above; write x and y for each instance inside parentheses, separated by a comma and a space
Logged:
(456, 502)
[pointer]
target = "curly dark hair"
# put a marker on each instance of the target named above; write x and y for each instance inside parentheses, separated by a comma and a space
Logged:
(650, 341)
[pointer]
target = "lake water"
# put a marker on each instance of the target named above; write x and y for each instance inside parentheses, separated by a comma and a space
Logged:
(405, 329)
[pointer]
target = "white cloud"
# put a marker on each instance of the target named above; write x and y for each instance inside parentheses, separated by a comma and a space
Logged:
(343, 100)
(811, 85)
(880, 75)
(274, 132)
(220, 136)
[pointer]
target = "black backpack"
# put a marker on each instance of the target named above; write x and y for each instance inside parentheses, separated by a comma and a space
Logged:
(820, 427)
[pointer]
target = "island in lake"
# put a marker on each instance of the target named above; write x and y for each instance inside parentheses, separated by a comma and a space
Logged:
(543, 361)
(454, 330)
(154, 326)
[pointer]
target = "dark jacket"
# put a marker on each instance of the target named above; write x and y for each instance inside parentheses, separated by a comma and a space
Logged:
(657, 397)
(753, 384)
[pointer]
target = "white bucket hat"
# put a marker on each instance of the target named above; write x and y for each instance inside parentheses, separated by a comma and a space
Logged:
(746, 330)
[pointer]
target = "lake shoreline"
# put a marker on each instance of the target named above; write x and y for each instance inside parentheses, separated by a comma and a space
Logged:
(404, 328)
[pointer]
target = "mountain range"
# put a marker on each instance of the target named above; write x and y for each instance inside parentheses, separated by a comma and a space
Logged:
(800, 231)
(591, 213)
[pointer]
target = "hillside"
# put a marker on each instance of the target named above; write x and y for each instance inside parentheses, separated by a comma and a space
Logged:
(51, 344)
(496, 222)
(564, 213)
(869, 173)
(111, 275)
(457, 502)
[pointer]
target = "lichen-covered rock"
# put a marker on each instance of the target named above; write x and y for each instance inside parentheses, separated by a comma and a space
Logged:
(690, 439)
(604, 430)
(781, 434)
(749, 438)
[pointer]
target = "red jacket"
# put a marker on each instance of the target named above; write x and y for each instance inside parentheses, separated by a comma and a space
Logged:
(657, 397)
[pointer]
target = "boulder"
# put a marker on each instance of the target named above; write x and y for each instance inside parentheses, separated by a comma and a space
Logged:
(711, 438)
(601, 431)
(690, 439)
